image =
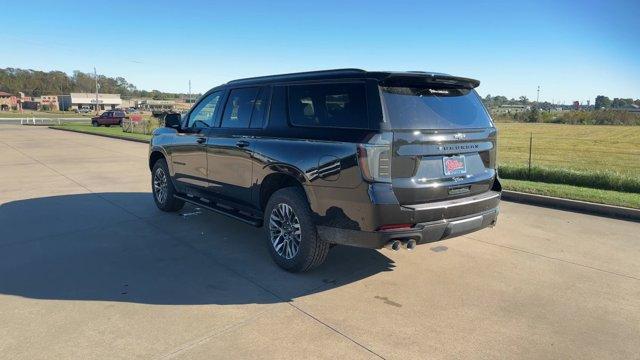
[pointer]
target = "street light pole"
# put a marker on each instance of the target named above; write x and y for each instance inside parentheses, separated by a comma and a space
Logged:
(95, 73)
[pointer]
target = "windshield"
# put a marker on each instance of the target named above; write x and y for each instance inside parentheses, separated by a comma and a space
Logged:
(434, 108)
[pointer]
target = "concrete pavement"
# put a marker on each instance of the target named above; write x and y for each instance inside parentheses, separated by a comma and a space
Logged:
(90, 269)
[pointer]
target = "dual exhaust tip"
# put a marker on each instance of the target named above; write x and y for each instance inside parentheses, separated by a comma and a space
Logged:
(395, 245)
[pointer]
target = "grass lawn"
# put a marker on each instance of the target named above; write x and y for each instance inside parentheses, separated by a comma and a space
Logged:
(577, 147)
(112, 130)
(608, 197)
(43, 114)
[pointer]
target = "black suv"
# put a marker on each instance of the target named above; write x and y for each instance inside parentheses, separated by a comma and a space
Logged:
(351, 157)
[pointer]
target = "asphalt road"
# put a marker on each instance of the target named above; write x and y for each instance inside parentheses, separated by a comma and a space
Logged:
(90, 269)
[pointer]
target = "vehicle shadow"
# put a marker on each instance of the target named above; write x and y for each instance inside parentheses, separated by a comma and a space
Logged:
(119, 247)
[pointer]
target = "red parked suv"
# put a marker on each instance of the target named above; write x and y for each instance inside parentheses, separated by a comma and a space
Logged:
(108, 118)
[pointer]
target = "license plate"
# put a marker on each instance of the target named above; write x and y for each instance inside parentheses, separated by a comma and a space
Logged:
(454, 165)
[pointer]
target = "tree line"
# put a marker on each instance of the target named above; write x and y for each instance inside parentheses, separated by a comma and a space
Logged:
(602, 102)
(38, 83)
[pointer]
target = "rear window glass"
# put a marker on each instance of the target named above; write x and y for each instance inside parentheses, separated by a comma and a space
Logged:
(328, 105)
(434, 108)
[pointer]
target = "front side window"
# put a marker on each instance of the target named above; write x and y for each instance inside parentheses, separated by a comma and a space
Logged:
(204, 114)
(328, 105)
(237, 112)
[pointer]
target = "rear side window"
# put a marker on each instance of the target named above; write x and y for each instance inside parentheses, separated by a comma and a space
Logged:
(237, 112)
(434, 108)
(119, 114)
(260, 108)
(328, 105)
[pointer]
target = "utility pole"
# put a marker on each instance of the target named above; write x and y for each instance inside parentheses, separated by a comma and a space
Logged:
(189, 92)
(538, 95)
(95, 73)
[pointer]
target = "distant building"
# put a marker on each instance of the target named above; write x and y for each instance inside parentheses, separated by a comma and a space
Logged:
(182, 106)
(511, 109)
(76, 101)
(49, 102)
(8, 101)
(129, 103)
(156, 105)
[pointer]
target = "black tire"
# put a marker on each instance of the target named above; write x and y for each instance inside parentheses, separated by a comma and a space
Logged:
(167, 201)
(312, 251)
(95, 124)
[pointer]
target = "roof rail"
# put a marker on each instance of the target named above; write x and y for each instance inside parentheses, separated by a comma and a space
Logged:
(306, 73)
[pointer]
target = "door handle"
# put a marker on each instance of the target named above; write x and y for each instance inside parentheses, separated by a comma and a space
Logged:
(242, 143)
(201, 140)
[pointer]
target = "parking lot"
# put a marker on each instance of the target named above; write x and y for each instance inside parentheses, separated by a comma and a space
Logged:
(89, 268)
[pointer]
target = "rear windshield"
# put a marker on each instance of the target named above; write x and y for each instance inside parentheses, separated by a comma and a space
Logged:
(434, 108)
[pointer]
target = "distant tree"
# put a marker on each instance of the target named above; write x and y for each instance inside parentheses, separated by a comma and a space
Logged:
(38, 83)
(533, 115)
(619, 103)
(499, 100)
(523, 100)
(602, 102)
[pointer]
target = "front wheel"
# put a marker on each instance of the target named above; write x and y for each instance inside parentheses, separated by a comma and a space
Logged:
(291, 235)
(95, 124)
(163, 190)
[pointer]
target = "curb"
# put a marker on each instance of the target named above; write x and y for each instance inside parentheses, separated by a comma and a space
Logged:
(103, 135)
(612, 211)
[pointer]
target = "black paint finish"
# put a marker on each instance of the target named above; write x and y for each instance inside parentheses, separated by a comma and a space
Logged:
(230, 166)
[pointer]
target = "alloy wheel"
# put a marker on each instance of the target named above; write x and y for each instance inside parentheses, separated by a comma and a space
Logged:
(284, 230)
(160, 185)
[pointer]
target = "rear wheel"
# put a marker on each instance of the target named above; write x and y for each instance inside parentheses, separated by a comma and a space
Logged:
(163, 190)
(291, 235)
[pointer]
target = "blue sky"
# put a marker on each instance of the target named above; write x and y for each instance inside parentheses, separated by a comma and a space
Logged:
(573, 50)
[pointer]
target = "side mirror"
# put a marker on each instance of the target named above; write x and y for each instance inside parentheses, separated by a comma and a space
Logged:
(173, 121)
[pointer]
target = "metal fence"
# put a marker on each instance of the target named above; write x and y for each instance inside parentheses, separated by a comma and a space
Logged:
(42, 121)
(570, 153)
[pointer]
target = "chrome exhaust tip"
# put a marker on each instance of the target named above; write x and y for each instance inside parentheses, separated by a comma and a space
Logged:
(393, 245)
(409, 244)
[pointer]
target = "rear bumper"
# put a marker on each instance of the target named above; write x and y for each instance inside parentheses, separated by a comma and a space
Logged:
(422, 233)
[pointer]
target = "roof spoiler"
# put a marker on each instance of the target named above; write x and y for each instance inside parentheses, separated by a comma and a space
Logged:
(419, 78)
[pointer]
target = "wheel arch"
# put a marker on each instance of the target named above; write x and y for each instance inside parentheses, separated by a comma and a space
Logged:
(157, 154)
(280, 179)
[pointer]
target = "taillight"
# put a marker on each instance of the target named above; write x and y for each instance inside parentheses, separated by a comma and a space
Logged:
(374, 158)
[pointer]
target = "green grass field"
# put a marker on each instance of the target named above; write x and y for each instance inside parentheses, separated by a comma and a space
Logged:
(631, 200)
(590, 150)
(578, 147)
(112, 131)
